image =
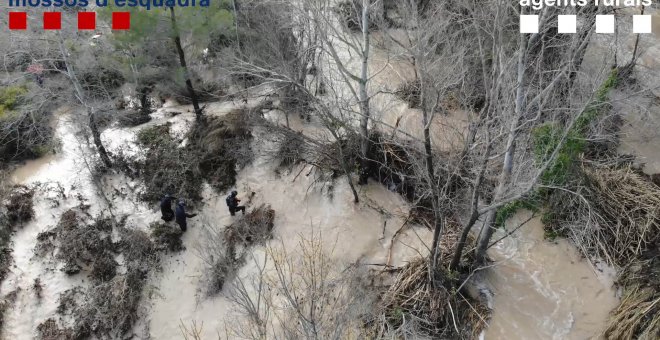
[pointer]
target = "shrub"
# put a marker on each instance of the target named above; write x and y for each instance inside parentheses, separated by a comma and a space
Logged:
(96, 82)
(214, 151)
(10, 96)
(410, 93)
(155, 135)
(166, 237)
(24, 131)
(19, 205)
(546, 137)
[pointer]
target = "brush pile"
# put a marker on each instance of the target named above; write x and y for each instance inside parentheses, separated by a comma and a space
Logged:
(415, 305)
(108, 307)
(19, 205)
(80, 245)
(255, 227)
(621, 220)
(638, 315)
(15, 210)
(627, 209)
(212, 153)
(292, 149)
(410, 93)
(220, 249)
(166, 237)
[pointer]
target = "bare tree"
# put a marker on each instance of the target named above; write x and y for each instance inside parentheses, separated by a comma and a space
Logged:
(335, 37)
(82, 99)
(182, 59)
(433, 80)
(532, 92)
(304, 293)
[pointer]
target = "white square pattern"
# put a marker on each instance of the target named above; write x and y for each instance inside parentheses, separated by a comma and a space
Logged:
(604, 24)
(567, 24)
(642, 24)
(529, 24)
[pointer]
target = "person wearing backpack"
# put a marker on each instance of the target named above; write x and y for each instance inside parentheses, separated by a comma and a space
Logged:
(182, 216)
(232, 203)
(166, 208)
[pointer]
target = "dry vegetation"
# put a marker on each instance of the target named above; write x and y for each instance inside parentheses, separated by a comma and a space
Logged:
(413, 305)
(429, 303)
(638, 315)
(625, 213)
(212, 153)
(19, 205)
(25, 132)
(108, 306)
(301, 292)
(166, 237)
(224, 251)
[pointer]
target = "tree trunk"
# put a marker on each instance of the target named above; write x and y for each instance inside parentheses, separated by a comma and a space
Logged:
(182, 60)
(80, 94)
(507, 166)
(238, 41)
(356, 198)
(364, 96)
(96, 136)
(145, 107)
(438, 226)
(634, 54)
(474, 214)
(489, 228)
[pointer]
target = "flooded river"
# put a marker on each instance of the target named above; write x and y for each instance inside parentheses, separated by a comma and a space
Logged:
(540, 289)
(546, 290)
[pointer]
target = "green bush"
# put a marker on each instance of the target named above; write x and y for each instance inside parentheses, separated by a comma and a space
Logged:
(509, 209)
(155, 135)
(547, 136)
(9, 98)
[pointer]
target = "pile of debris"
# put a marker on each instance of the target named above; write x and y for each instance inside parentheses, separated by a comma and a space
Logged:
(211, 152)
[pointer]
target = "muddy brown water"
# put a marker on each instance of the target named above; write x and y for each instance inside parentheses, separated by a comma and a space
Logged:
(546, 290)
(532, 296)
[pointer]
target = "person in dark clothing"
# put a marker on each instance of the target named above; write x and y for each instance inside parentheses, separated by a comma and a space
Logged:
(166, 208)
(181, 215)
(232, 204)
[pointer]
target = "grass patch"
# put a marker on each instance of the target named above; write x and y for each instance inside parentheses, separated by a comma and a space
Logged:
(510, 209)
(565, 170)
